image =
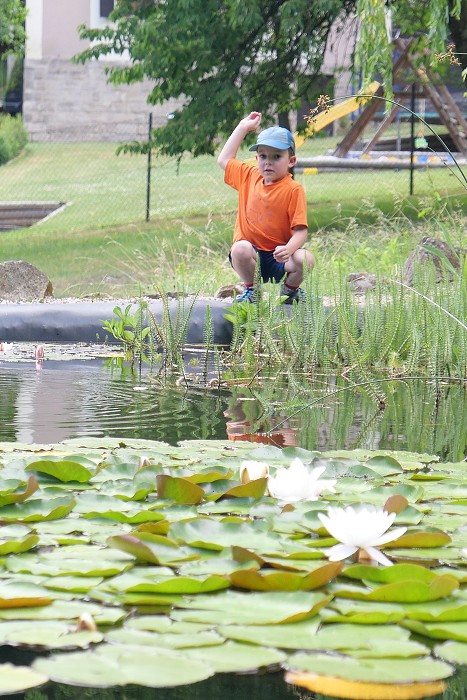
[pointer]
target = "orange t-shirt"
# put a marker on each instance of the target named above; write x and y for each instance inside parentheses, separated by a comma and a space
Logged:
(267, 214)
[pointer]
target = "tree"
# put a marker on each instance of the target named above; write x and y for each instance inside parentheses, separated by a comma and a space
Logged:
(12, 33)
(224, 58)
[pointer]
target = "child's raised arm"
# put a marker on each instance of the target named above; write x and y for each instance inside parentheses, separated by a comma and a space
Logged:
(231, 146)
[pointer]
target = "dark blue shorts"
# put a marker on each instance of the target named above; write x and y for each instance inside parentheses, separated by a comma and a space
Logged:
(270, 269)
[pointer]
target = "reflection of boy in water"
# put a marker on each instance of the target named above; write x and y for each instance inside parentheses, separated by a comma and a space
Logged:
(243, 428)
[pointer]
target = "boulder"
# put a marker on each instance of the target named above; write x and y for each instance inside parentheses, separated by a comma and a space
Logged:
(361, 282)
(21, 281)
(433, 251)
(229, 291)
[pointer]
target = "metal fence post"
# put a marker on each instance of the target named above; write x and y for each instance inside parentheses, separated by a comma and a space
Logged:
(412, 137)
(148, 175)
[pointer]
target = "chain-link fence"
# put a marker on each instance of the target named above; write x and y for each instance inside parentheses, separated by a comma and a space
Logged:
(93, 187)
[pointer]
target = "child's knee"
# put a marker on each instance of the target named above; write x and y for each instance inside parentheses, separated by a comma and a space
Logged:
(242, 250)
(303, 259)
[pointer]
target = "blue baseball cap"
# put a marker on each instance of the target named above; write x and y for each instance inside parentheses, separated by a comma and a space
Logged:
(275, 137)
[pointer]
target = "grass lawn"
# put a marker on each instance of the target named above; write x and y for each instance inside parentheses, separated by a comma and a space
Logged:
(101, 242)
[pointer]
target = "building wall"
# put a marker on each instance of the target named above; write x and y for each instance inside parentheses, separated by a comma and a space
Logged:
(64, 101)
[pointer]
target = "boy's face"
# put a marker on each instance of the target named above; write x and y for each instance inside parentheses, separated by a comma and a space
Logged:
(273, 164)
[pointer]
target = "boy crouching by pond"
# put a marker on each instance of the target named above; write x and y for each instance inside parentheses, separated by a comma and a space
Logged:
(272, 214)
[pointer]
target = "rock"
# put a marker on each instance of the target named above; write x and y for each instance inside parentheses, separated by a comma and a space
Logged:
(361, 281)
(228, 291)
(21, 281)
(444, 258)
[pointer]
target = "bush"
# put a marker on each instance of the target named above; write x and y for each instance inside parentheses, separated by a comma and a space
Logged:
(13, 137)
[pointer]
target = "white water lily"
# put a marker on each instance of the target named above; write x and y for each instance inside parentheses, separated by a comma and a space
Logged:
(250, 470)
(297, 483)
(364, 529)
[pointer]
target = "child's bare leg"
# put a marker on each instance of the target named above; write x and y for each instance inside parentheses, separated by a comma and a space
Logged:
(300, 262)
(243, 257)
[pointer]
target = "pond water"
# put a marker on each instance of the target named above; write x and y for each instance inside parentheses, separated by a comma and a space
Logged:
(104, 398)
(59, 400)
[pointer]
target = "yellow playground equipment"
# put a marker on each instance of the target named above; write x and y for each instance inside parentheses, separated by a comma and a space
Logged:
(337, 111)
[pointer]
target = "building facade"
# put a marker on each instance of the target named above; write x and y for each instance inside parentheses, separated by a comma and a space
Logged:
(65, 101)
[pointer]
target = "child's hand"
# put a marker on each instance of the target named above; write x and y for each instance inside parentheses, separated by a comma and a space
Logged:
(252, 121)
(281, 253)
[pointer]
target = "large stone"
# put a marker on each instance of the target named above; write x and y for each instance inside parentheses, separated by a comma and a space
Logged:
(21, 281)
(433, 251)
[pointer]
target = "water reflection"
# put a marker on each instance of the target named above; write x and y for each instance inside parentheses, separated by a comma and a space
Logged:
(85, 398)
(419, 416)
(81, 398)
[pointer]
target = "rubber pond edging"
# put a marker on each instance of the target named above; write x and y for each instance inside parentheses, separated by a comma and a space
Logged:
(82, 321)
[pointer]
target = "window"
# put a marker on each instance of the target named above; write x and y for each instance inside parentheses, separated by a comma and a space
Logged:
(106, 7)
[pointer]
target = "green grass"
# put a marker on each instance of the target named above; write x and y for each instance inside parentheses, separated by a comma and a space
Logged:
(101, 243)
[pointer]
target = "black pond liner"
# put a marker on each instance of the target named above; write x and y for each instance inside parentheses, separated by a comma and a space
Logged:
(83, 321)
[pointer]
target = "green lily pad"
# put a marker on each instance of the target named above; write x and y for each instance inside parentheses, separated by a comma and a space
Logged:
(37, 509)
(370, 670)
(165, 640)
(134, 583)
(405, 591)
(63, 470)
(15, 679)
(230, 607)
(46, 635)
(453, 652)
(178, 489)
(111, 665)
(456, 631)
(163, 623)
(232, 657)
(19, 595)
(312, 635)
(10, 494)
(254, 580)
(154, 549)
(208, 533)
(16, 546)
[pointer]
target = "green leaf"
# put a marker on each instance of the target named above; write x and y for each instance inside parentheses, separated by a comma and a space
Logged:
(285, 580)
(439, 630)
(372, 670)
(178, 489)
(229, 607)
(232, 657)
(63, 470)
(15, 679)
(406, 591)
(110, 665)
(453, 652)
(7, 495)
(165, 640)
(46, 635)
(38, 509)
(18, 595)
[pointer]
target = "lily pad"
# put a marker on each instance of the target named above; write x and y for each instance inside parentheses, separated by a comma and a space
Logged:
(254, 580)
(370, 670)
(230, 607)
(64, 470)
(232, 657)
(110, 666)
(15, 679)
(453, 652)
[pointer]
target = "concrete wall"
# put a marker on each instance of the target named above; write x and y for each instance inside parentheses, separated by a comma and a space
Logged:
(67, 102)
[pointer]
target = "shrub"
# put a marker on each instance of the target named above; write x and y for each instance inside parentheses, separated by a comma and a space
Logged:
(13, 137)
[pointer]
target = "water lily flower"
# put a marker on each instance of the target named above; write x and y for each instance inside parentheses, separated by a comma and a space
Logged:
(250, 470)
(360, 529)
(298, 483)
(86, 623)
